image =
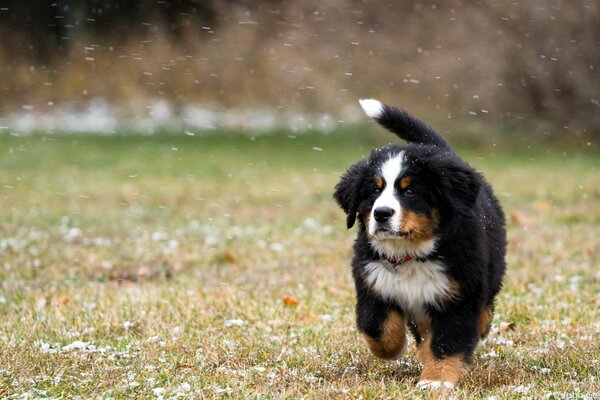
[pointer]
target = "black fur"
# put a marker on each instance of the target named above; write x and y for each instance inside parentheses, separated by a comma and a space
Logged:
(349, 190)
(409, 128)
(471, 237)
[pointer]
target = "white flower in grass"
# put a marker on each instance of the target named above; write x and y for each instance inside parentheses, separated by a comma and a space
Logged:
(73, 234)
(277, 247)
(220, 389)
(159, 236)
(491, 354)
(235, 322)
(128, 325)
(41, 303)
(76, 345)
(184, 387)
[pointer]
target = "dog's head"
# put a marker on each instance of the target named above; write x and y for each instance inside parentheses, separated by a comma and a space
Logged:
(404, 196)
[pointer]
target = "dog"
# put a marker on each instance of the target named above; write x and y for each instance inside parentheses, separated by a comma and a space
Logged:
(429, 256)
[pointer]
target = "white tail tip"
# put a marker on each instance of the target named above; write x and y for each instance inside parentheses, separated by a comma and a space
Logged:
(373, 108)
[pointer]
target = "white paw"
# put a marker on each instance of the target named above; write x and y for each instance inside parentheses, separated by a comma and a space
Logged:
(427, 384)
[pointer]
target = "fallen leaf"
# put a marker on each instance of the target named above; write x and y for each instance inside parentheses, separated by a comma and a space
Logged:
(520, 218)
(230, 257)
(507, 326)
(151, 270)
(143, 272)
(180, 365)
(336, 291)
(541, 205)
(290, 301)
(307, 319)
(226, 257)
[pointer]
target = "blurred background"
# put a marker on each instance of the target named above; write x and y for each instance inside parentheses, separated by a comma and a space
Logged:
(109, 65)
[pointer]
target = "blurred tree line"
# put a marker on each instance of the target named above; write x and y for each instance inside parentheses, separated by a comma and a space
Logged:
(500, 61)
(51, 25)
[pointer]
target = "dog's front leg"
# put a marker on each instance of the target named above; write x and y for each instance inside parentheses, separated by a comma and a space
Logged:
(382, 326)
(446, 348)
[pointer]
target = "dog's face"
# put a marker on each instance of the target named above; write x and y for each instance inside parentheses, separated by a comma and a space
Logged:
(402, 192)
(402, 204)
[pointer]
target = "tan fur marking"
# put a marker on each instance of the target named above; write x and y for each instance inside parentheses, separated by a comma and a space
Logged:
(453, 290)
(423, 328)
(447, 369)
(366, 217)
(423, 349)
(485, 321)
(419, 227)
(379, 181)
(405, 182)
(393, 338)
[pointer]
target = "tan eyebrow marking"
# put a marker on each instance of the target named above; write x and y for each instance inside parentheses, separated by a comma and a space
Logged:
(379, 182)
(405, 182)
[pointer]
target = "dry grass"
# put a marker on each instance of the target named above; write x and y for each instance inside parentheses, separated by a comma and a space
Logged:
(146, 267)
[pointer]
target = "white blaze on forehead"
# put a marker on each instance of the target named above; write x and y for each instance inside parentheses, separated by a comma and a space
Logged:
(373, 108)
(390, 171)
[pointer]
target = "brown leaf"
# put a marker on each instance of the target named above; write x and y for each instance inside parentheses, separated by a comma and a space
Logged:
(143, 272)
(226, 257)
(307, 319)
(180, 365)
(336, 291)
(520, 218)
(290, 301)
(541, 205)
(507, 326)
(148, 271)
(64, 300)
(229, 257)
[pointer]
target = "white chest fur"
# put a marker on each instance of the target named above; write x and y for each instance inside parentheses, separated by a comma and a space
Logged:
(413, 286)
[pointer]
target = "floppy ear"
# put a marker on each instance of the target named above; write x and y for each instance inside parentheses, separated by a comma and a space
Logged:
(458, 183)
(348, 191)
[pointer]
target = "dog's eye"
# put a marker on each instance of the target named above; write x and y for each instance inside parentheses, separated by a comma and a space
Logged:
(409, 192)
(376, 190)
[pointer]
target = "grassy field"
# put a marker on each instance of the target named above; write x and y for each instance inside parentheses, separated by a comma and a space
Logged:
(148, 267)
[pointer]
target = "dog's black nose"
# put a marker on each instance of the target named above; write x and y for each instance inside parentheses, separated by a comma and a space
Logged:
(382, 214)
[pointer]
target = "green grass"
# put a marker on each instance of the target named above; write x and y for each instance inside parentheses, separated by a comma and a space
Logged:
(169, 256)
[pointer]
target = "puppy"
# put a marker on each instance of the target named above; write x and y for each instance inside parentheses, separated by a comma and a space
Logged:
(429, 255)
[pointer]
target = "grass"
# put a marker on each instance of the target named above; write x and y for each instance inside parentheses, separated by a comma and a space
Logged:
(140, 267)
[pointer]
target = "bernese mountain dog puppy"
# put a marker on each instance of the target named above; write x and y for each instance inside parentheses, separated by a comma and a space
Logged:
(429, 255)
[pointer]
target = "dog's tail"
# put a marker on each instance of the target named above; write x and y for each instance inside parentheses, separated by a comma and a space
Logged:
(402, 123)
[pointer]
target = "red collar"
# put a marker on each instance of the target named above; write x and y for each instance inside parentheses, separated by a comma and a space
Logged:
(396, 262)
(393, 263)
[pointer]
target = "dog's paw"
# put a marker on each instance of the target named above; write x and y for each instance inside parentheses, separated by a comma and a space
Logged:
(427, 384)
